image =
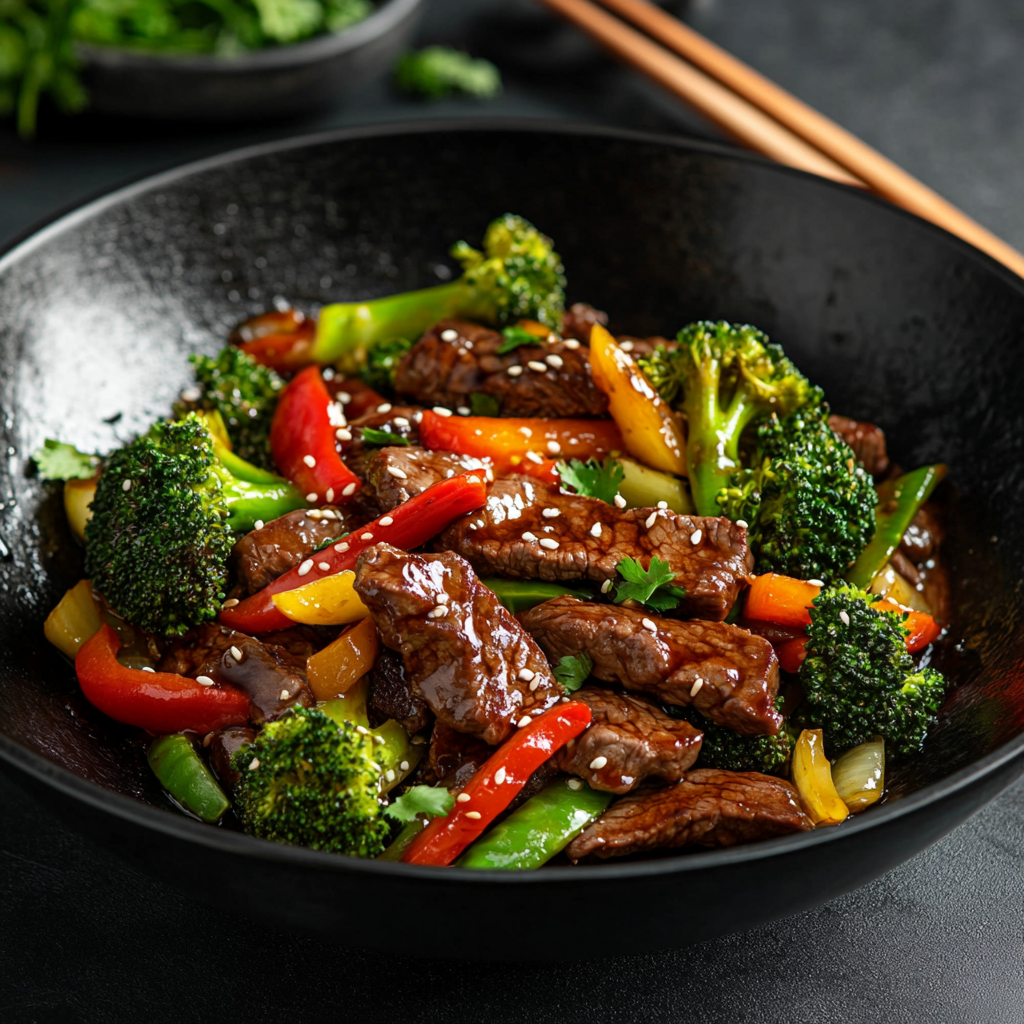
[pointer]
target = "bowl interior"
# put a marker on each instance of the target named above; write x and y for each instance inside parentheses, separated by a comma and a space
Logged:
(900, 323)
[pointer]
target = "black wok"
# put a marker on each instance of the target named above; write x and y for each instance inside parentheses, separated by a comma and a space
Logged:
(900, 322)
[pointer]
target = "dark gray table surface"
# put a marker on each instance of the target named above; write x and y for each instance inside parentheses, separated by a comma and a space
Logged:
(936, 84)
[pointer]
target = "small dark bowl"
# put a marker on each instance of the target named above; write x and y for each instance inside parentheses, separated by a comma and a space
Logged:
(269, 83)
(901, 323)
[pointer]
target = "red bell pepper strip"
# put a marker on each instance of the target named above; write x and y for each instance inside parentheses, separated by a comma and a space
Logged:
(409, 525)
(495, 783)
(302, 440)
(791, 653)
(281, 340)
(161, 702)
(921, 628)
(513, 444)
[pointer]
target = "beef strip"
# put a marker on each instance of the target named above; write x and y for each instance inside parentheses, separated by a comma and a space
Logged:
(223, 746)
(709, 555)
(262, 555)
(866, 440)
(738, 671)
(273, 675)
(579, 318)
(394, 475)
(923, 536)
(390, 695)
(629, 740)
(454, 757)
(401, 420)
(455, 359)
(473, 664)
(709, 807)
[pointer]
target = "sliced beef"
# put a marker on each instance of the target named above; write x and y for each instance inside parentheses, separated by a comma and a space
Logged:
(454, 757)
(923, 536)
(394, 475)
(390, 695)
(463, 653)
(264, 554)
(511, 536)
(223, 746)
(273, 675)
(401, 420)
(627, 741)
(729, 675)
(455, 360)
(866, 440)
(579, 318)
(709, 807)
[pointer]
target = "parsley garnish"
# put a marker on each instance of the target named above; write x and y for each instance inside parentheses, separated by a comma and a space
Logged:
(651, 586)
(572, 670)
(516, 336)
(435, 802)
(484, 405)
(384, 438)
(58, 461)
(593, 479)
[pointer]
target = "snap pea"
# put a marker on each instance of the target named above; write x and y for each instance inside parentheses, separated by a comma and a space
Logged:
(410, 830)
(518, 595)
(542, 827)
(180, 769)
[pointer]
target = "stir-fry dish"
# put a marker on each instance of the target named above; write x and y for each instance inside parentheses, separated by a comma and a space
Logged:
(459, 577)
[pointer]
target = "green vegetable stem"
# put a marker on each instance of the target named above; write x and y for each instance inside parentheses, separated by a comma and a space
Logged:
(519, 595)
(180, 769)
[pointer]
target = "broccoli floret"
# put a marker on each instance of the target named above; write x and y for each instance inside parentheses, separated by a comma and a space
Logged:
(378, 372)
(245, 394)
(728, 750)
(517, 275)
(723, 376)
(163, 524)
(808, 505)
(859, 681)
(437, 71)
(310, 781)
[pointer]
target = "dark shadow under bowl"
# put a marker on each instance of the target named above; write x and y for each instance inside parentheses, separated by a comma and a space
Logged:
(901, 323)
(269, 83)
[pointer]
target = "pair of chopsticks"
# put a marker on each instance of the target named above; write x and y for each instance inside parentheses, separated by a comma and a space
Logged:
(761, 115)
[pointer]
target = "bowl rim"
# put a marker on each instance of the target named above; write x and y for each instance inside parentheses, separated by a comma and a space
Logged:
(177, 825)
(385, 17)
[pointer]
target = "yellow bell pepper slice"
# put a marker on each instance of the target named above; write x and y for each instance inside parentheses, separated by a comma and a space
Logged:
(75, 619)
(78, 495)
(812, 776)
(333, 670)
(331, 601)
(650, 430)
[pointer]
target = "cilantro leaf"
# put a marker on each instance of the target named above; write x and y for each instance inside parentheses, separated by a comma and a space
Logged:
(384, 438)
(593, 479)
(433, 801)
(572, 670)
(651, 586)
(484, 405)
(58, 461)
(516, 336)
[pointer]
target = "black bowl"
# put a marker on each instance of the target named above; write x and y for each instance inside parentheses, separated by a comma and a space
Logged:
(902, 323)
(274, 82)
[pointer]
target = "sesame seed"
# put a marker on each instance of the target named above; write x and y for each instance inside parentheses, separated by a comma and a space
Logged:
(323, 566)
(230, 602)
(572, 343)
(554, 360)
(515, 371)
(620, 501)
(463, 410)
(598, 763)
(649, 624)
(312, 496)
(344, 397)
(285, 695)
(390, 775)
(595, 531)
(404, 766)
(258, 525)
(440, 611)
(309, 460)
(499, 776)
(651, 520)
(695, 689)
(306, 566)
(449, 334)
(846, 618)
(398, 474)
(315, 514)
(531, 538)
(208, 739)
(443, 598)
(663, 505)
(462, 798)
(475, 815)
(606, 586)
(328, 513)
(526, 431)
(366, 536)
(626, 346)
(534, 457)
(547, 542)
(816, 583)
(526, 674)
(126, 485)
(550, 513)
(537, 366)
(254, 764)
(742, 523)
(362, 730)
(342, 547)
(554, 447)
(349, 489)
(329, 495)
(514, 513)
(384, 407)
(235, 653)
(385, 521)
(534, 684)
(696, 536)
(400, 421)
(525, 720)
(342, 434)
(574, 784)
(442, 411)
(146, 668)
(204, 680)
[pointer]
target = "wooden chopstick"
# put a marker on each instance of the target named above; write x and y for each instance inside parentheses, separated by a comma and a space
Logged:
(841, 148)
(733, 114)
